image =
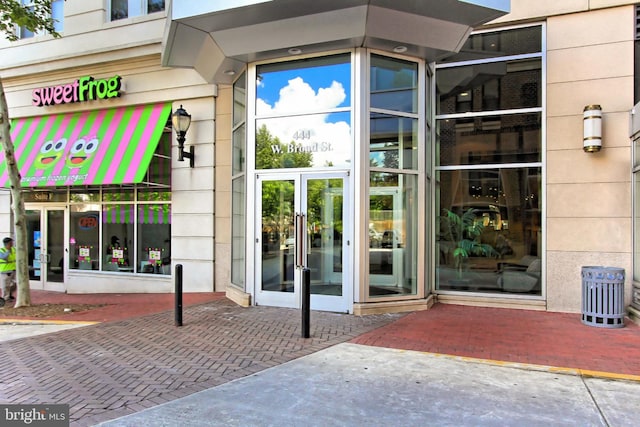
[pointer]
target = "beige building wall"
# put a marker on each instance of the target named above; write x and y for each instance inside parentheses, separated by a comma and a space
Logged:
(526, 10)
(222, 195)
(588, 195)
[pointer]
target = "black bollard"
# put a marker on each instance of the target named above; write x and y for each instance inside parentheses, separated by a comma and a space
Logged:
(306, 302)
(178, 294)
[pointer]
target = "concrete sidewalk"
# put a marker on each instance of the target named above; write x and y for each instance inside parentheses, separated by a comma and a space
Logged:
(354, 385)
(23, 329)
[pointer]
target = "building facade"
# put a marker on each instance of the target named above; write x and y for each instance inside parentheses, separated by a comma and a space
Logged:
(399, 153)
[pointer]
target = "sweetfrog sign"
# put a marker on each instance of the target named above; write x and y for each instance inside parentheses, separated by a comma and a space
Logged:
(112, 146)
(84, 89)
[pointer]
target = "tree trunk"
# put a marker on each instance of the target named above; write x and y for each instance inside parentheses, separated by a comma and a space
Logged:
(23, 297)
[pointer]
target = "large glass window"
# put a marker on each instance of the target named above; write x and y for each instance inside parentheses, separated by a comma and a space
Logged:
(393, 234)
(489, 121)
(635, 294)
(489, 230)
(393, 195)
(324, 141)
(124, 229)
(57, 14)
(154, 238)
(394, 84)
(509, 138)
(238, 185)
(117, 235)
(84, 237)
(303, 110)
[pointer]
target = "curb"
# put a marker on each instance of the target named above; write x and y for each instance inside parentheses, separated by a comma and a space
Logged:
(585, 373)
(18, 321)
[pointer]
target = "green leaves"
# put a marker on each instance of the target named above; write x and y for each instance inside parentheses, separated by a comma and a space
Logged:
(34, 17)
(465, 230)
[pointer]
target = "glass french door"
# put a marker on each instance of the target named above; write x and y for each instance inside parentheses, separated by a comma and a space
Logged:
(302, 222)
(45, 236)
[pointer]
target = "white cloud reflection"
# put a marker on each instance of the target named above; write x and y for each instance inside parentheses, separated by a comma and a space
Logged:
(328, 136)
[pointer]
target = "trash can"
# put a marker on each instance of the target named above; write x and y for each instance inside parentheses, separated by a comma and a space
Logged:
(603, 297)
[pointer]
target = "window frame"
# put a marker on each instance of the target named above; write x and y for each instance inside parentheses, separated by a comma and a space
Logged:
(58, 21)
(541, 109)
(140, 5)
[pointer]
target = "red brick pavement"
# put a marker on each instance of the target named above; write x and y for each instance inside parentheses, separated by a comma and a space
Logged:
(521, 336)
(117, 306)
(108, 370)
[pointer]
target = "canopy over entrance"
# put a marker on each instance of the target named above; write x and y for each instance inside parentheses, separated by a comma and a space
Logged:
(217, 38)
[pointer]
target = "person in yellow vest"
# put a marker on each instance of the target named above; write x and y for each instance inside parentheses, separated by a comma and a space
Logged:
(8, 268)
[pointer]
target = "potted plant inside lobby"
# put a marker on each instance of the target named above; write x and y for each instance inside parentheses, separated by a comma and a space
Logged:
(463, 231)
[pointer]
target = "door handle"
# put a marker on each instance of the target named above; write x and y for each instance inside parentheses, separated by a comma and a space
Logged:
(299, 240)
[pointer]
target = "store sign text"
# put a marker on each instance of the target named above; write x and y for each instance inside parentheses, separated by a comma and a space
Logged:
(315, 147)
(84, 89)
(304, 146)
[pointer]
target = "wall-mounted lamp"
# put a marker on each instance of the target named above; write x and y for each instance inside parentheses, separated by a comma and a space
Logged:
(181, 121)
(592, 118)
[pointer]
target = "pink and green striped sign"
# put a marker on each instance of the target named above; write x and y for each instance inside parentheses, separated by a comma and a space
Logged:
(87, 148)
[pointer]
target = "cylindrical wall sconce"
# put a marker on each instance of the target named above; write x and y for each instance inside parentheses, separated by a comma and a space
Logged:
(592, 117)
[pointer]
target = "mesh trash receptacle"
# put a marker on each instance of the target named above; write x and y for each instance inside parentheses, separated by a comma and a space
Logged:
(603, 297)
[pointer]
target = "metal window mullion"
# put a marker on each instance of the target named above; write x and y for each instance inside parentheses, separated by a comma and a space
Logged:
(495, 59)
(489, 166)
(394, 113)
(489, 113)
(305, 113)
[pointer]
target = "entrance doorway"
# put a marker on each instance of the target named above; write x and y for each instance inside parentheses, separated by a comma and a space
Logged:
(46, 254)
(303, 223)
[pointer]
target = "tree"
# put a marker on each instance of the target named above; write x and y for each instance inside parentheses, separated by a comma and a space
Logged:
(34, 17)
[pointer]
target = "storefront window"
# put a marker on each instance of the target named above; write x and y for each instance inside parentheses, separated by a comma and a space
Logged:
(117, 195)
(84, 237)
(393, 195)
(303, 110)
(394, 84)
(238, 183)
(152, 194)
(83, 195)
(517, 41)
(489, 234)
(503, 85)
(636, 221)
(117, 237)
(489, 121)
(324, 141)
(393, 234)
(509, 138)
(394, 142)
(154, 239)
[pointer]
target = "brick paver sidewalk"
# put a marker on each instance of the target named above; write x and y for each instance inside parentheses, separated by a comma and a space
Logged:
(113, 369)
